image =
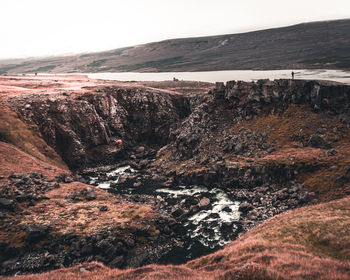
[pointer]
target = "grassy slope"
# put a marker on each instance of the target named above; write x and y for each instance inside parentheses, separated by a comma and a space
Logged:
(307, 243)
(300, 122)
(14, 131)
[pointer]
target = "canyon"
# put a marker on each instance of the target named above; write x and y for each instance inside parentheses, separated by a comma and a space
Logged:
(174, 179)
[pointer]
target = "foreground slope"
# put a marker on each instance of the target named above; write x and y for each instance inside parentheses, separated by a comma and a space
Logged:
(308, 243)
(309, 45)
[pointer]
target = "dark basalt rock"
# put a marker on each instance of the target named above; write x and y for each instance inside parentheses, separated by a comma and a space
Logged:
(318, 141)
(103, 208)
(87, 193)
(7, 204)
(117, 262)
(90, 194)
(36, 232)
(245, 207)
(84, 130)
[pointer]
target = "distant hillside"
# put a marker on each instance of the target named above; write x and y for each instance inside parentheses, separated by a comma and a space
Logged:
(309, 45)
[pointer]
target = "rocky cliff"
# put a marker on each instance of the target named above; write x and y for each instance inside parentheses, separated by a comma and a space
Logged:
(246, 120)
(84, 129)
(234, 134)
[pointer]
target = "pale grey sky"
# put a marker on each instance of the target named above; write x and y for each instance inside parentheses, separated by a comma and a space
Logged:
(55, 27)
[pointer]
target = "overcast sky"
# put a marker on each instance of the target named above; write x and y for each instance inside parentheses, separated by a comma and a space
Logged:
(54, 27)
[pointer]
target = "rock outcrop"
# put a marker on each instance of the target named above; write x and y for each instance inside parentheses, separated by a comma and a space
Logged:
(215, 127)
(85, 130)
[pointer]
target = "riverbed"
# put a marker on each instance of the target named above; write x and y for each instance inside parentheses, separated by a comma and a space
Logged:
(209, 217)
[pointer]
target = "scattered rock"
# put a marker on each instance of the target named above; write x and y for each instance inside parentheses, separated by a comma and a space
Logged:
(89, 193)
(117, 262)
(245, 207)
(341, 178)
(330, 152)
(204, 202)
(140, 149)
(83, 270)
(253, 214)
(103, 208)
(177, 213)
(7, 204)
(36, 232)
(318, 141)
(332, 168)
(137, 184)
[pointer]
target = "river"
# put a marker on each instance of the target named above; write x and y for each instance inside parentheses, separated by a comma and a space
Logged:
(224, 76)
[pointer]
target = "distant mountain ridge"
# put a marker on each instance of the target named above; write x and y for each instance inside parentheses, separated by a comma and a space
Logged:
(324, 44)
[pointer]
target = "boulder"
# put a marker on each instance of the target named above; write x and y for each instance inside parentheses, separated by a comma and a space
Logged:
(177, 213)
(137, 184)
(117, 262)
(318, 141)
(89, 193)
(245, 207)
(7, 204)
(36, 232)
(140, 149)
(204, 202)
(331, 152)
(103, 208)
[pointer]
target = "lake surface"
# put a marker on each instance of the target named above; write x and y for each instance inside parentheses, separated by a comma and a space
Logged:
(224, 76)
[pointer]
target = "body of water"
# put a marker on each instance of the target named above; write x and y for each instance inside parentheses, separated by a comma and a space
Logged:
(224, 76)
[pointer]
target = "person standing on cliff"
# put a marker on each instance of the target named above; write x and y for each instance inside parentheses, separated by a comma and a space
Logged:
(293, 75)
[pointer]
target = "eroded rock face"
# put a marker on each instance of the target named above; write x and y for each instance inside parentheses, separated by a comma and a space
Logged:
(251, 98)
(84, 130)
(206, 134)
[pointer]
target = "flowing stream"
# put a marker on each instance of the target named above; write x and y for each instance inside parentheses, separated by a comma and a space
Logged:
(209, 217)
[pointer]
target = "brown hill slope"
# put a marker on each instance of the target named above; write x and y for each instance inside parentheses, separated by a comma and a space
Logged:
(307, 243)
(309, 45)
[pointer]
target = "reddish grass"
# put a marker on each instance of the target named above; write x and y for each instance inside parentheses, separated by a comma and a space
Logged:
(79, 84)
(15, 85)
(82, 217)
(13, 160)
(307, 243)
(15, 131)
